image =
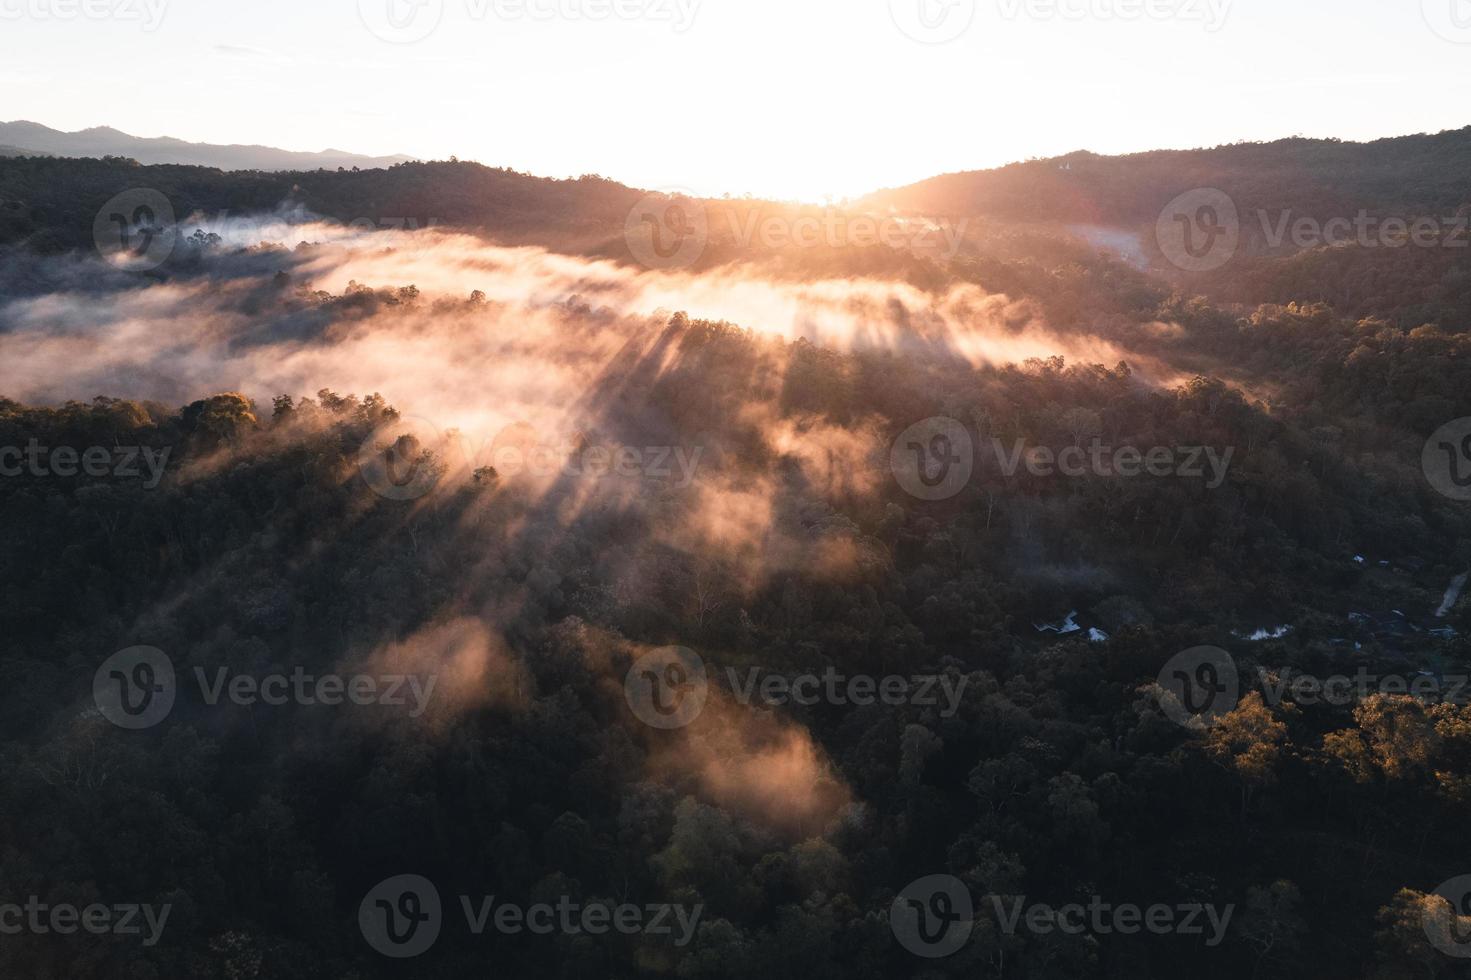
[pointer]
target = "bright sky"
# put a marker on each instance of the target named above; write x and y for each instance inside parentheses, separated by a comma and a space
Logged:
(783, 98)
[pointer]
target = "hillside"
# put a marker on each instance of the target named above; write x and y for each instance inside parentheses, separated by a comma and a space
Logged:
(1422, 174)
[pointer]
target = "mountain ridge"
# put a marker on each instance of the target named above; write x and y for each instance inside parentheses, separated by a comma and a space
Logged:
(100, 141)
(1416, 171)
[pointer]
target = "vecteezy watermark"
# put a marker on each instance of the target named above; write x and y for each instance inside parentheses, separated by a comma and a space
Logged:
(1346, 689)
(666, 688)
(148, 13)
(667, 230)
(1202, 230)
(135, 230)
(1364, 230)
(935, 459)
(128, 919)
(407, 458)
(402, 459)
(836, 228)
(679, 14)
(1446, 459)
(933, 916)
(94, 461)
(1199, 231)
(840, 690)
(1210, 13)
(519, 449)
(401, 21)
(1450, 19)
(1186, 462)
(403, 917)
(136, 688)
(408, 21)
(1199, 687)
(933, 21)
(1446, 918)
(1101, 918)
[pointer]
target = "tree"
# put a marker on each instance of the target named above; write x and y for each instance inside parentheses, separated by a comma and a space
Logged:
(1247, 742)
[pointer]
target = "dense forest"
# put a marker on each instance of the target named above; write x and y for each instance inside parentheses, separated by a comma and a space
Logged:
(259, 544)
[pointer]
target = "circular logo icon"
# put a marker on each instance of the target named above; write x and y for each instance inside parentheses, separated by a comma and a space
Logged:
(1199, 231)
(666, 688)
(933, 21)
(667, 231)
(400, 460)
(134, 688)
(1451, 19)
(401, 916)
(1446, 459)
(933, 459)
(933, 917)
(1448, 924)
(401, 21)
(1200, 687)
(135, 230)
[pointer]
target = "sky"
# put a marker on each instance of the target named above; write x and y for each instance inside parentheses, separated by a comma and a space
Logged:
(793, 99)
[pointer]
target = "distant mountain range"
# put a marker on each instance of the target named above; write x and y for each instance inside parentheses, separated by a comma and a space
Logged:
(23, 138)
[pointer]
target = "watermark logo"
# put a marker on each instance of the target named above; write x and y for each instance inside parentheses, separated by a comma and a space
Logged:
(1210, 13)
(401, 21)
(63, 919)
(933, 917)
(1446, 459)
(933, 21)
(1342, 690)
(408, 21)
(520, 449)
(397, 459)
(1451, 19)
(408, 458)
(135, 230)
(1364, 230)
(840, 690)
(1447, 923)
(1199, 231)
(835, 228)
(933, 459)
(1199, 687)
(667, 231)
(680, 14)
(135, 688)
(1102, 918)
(121, 462)
(667, 687)
(401, 916)
(147, 12)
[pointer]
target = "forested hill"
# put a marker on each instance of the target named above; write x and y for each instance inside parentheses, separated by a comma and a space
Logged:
(50, 203)
(1020, 224)
(1422, 174)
